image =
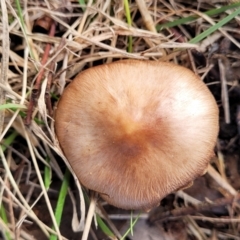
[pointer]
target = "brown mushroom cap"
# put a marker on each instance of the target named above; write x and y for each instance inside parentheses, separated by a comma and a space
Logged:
(135, 131)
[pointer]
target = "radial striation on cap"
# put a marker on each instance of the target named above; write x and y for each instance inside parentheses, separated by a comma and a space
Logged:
(135, 131)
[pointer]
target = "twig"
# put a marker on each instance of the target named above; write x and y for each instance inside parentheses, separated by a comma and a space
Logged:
(193, 209)
(37, 86)
(225, 99)
(221, 181)
(50, 79)
(147, 19)
(5, 58)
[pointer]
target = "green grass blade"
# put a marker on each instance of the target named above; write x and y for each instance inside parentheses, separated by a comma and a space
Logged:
(3, 216)
(20, 15)
(132, 224)
(185, 20)
(104, 227)
(9, 140)
(12, 106)
(82, 3)
(61, 201)
(215, 27)
(47, 175)
(129, 21)
(15, 106)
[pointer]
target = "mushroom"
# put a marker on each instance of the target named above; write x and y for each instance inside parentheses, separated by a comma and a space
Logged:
(135, 131)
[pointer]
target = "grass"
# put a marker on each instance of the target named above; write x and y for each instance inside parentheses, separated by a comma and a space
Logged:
(3, 216)
(12, 106)
(8, 141)
(215, 27)
(23, 27)
(61, 200)
(129, 21)
(111, 30)
(186, 20)
(105, 229)
(132, 224)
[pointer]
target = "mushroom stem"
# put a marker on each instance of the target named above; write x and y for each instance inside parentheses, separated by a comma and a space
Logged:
(90, 214)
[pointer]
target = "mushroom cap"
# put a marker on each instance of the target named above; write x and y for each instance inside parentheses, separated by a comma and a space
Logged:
(135, 131)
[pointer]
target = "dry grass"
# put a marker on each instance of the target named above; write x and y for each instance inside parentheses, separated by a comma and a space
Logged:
(87, 35)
